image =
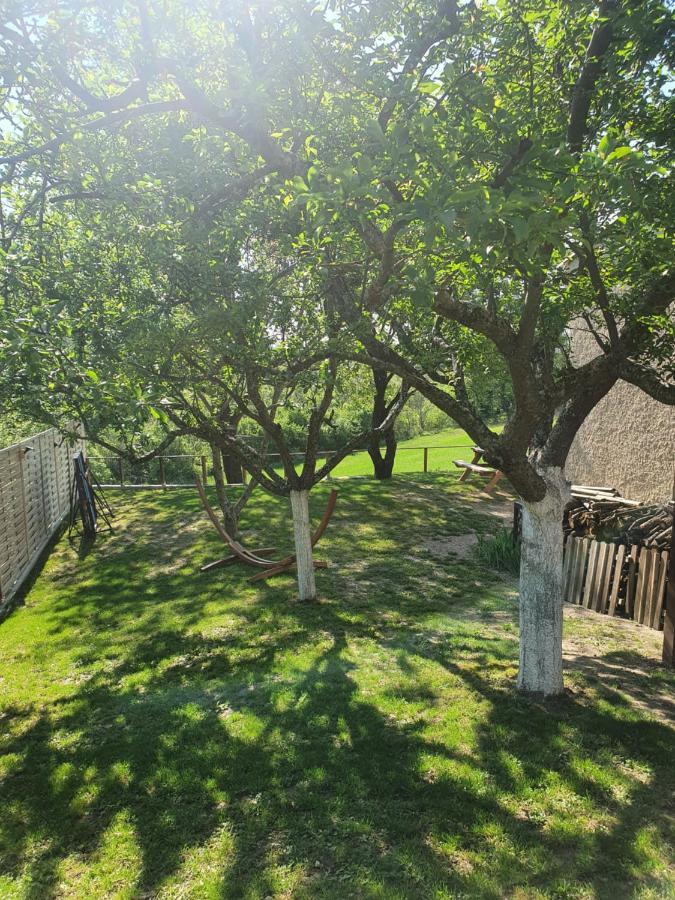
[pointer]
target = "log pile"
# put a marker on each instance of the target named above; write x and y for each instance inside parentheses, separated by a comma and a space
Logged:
(601, 511)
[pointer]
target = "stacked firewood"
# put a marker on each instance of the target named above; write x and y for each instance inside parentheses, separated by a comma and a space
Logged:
(595, 510)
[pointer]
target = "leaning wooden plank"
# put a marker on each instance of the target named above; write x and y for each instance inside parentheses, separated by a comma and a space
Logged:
(631, 581)
(580, 570)
(644, 572)
(591, 580)
(602, 593)
(606, 554)
(618, 569)
(577, 545)
(590, 574)
(660, 590)
(650, 600)
(639, 584)
(568, 566)
(596, 597)
(607, 581)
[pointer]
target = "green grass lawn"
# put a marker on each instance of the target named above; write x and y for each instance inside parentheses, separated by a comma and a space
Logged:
(444, 446)
(169, 734)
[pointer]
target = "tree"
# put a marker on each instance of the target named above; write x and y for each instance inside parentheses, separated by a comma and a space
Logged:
(463, 172)
(195, 341)
(383, 463)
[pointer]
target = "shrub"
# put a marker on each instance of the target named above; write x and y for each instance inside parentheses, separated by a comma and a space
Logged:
(499, 551)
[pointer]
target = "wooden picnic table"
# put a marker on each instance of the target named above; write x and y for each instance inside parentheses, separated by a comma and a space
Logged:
(474, 468)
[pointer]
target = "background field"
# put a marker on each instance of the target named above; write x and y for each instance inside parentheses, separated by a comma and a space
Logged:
(410, 456)
(444, 446)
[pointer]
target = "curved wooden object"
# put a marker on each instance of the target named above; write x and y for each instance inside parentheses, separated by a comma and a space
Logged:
(289, 561)
(237, 549)
(251, 558)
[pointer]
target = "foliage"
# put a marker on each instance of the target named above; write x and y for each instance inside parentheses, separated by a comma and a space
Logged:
(499, 551)
(15, 427)
(241, 200)
(441, 188)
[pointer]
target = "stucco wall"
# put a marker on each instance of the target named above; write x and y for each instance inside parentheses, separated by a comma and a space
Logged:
(627, 442)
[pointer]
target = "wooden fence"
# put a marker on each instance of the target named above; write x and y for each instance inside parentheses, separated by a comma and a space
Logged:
(178, 470)
(609, 578)
(34, 498)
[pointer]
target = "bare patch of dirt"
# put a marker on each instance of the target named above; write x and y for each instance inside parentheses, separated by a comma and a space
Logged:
(461, 545)
(499, 509)
(620, 657)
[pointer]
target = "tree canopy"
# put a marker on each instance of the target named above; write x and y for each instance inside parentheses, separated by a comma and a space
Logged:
(419, 187)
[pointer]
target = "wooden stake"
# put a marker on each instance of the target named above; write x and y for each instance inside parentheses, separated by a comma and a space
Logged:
(617, 578)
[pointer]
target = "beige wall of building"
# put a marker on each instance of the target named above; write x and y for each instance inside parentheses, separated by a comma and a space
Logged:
(627, 442)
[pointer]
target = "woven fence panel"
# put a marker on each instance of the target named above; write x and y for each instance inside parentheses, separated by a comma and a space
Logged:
(34, 498)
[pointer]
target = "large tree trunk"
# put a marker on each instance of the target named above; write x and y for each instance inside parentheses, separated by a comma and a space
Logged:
(383, 464)
(232, 468)
(303, 545)
(227, 508)
(541, 602)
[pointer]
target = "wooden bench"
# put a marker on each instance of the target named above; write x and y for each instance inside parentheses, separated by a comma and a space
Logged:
(474, 468)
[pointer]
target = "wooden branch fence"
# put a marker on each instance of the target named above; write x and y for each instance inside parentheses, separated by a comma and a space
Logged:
(34, 499)
(611, 578)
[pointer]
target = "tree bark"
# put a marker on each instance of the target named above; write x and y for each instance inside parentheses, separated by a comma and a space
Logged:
(541, 601)
(383, 464)
(228, 509)
(303, 545)
(232, 468)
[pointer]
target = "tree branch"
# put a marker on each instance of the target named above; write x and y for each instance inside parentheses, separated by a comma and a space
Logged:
(648, 381)
(109, 121)
(585, 85)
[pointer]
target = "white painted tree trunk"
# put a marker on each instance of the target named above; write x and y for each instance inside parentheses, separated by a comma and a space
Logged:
(303, 544)
(541, 600)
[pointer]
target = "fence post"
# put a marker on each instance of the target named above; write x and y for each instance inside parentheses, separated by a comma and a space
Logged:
(203, 459)
(162, 475)
(426, 459)
(120, 466)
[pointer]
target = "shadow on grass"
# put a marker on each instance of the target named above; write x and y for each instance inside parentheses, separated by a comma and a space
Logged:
(273, 744)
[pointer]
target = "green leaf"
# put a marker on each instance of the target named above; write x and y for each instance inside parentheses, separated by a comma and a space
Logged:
(374, 131)
(520, 229)
(619, 153)
(299, 184)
